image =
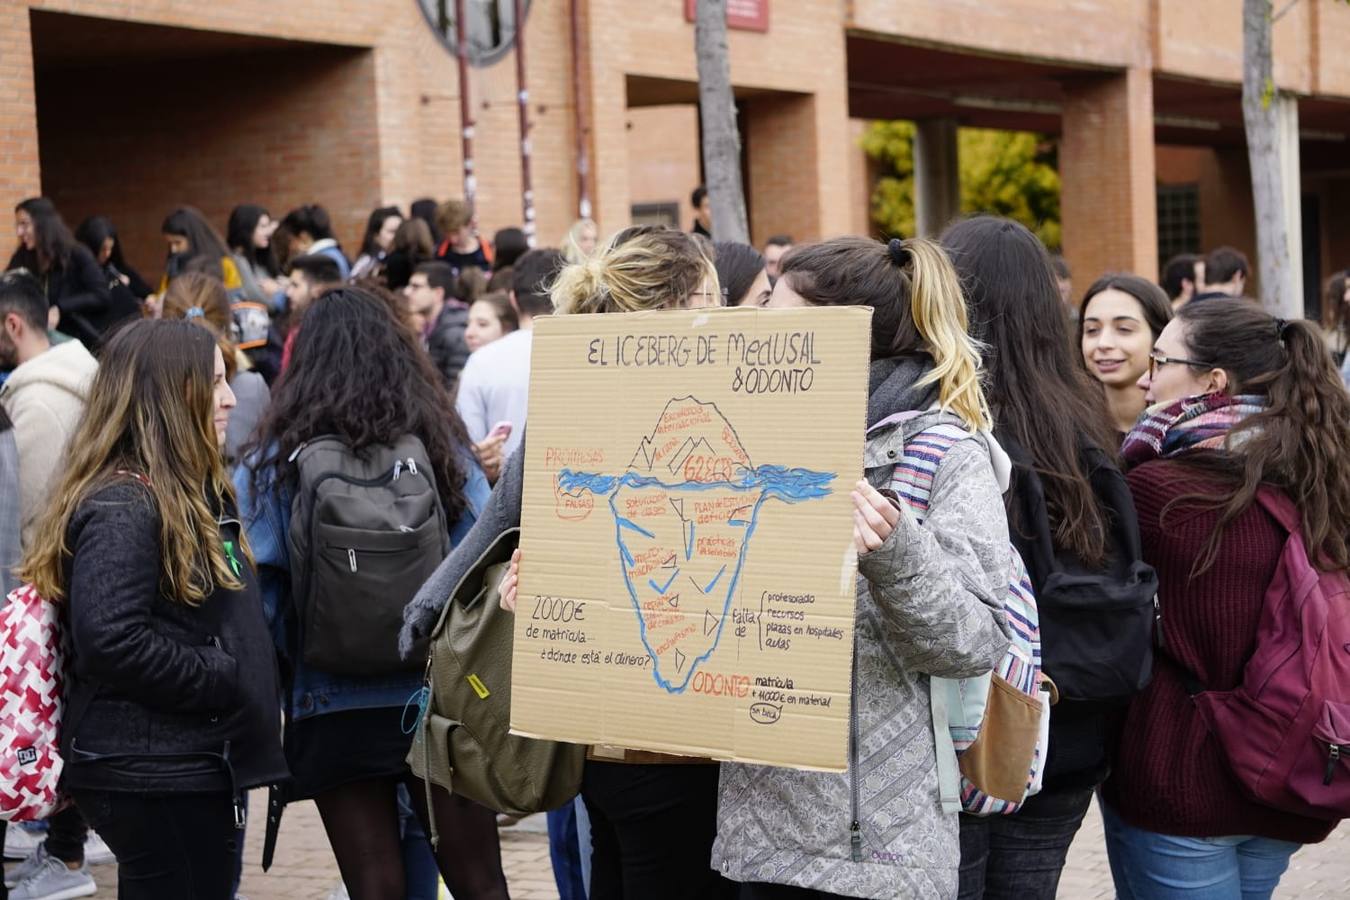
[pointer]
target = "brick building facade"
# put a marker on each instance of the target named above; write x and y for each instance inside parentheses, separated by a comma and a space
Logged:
(130, 107)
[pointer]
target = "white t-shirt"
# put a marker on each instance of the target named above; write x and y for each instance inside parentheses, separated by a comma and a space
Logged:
(495, 387)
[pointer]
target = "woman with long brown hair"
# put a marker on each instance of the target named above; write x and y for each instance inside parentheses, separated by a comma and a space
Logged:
(172, 689)
(69, 275)
(1119, 319)
(203, 301)
(1072, 521)
(1241, 403)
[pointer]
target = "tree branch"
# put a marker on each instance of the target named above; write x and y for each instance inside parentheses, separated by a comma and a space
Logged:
(1280, 15)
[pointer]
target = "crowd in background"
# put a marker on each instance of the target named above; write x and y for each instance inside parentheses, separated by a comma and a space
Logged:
(1137, 436)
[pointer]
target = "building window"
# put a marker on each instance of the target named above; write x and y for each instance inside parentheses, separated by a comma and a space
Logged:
(1178, 221)
(667, 213)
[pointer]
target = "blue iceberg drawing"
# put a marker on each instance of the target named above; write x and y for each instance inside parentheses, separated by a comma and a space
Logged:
(684, 513)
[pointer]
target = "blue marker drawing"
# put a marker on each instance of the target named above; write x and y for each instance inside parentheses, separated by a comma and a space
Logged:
(688, 505)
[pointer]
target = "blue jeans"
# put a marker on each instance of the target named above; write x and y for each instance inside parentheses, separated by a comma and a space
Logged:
(1150, 866)
(419, 863)
(564, 849)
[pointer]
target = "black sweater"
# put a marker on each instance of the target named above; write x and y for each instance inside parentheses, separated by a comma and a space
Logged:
(78, 287)
(161, 695)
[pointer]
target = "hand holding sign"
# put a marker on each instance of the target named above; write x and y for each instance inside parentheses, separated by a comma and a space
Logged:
(874, 518)
(510, 585)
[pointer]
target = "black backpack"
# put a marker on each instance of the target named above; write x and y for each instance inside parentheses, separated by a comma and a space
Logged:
(1096, 623)
(366, 530)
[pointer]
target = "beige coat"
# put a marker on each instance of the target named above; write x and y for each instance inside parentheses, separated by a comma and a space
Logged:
(45, 398)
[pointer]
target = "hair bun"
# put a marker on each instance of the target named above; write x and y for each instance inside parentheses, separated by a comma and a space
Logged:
(899, 252)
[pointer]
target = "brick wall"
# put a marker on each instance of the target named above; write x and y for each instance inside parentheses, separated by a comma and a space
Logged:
(377, 96)
(290, 128)
(19, 173)
(663, 147)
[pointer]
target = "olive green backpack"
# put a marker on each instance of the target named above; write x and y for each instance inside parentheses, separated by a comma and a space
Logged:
(463, 742)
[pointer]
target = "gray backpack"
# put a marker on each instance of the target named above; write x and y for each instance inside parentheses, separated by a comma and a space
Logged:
(366, 530)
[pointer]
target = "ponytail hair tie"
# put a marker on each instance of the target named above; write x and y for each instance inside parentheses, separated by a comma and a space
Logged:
(899, 253)
(194, 312)
(1281, 326)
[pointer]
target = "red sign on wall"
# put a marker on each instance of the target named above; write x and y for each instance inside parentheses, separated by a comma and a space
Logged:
(747, 15)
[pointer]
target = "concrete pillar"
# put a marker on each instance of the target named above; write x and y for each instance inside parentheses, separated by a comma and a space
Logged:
(937, 177)
(1108, 197)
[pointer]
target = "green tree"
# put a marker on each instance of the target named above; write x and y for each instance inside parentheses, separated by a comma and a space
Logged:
(1008, 173)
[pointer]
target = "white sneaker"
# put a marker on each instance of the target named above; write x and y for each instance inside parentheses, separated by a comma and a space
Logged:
(31, 864)
(50, 879)
(20, 842)
(95, 851)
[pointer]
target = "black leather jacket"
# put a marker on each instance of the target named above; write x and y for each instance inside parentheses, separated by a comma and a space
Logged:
(161, 695)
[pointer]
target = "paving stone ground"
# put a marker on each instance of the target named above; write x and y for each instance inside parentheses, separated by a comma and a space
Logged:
(305, 869)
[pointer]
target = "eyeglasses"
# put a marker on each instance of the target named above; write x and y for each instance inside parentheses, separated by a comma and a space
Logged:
(1156, 359)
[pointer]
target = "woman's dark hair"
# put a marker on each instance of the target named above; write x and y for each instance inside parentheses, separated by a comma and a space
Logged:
(54, 240)
(508, 245)
(1300, 443)
(239, 238)
(1152, 300)
(424, 208)
(1336, 314)
(203, 242)
(359, 373)
(373, 225)
(310, 219)
(500, 301)
(413, 237)
(93, 231)
(1041, 395)
(470, 284)
(1178, 269)
(738, 265)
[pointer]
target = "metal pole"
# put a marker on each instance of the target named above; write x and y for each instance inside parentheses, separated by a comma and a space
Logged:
(579, 118)
(523, 95)
(465, 107)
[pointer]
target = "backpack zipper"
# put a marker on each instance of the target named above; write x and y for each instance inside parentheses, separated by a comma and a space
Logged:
(855, 828)
(1333, 757)
(379, 481)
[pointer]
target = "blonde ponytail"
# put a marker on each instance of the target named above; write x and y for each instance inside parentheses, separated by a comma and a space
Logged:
(639, 269)
(939, 312)
(579, 286)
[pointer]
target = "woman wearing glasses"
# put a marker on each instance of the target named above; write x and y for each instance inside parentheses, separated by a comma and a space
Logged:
(1238, 401)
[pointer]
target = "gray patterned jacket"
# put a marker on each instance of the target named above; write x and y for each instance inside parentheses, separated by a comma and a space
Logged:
(930, 602)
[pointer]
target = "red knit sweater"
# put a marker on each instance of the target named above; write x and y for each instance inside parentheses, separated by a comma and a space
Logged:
(1169, 775)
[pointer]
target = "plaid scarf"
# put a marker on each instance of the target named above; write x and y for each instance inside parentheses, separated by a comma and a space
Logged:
(1203, 422)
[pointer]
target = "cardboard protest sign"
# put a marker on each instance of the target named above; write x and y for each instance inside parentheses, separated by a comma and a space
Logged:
(687, 578)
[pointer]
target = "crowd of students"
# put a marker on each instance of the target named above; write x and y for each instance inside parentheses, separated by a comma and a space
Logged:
(156, 481)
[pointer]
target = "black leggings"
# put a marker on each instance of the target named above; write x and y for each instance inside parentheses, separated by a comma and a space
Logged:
(168, 846)
(361, 819)
(652, 830)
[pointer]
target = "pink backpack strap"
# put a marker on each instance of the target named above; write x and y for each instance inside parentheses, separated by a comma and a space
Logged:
(1278, 504)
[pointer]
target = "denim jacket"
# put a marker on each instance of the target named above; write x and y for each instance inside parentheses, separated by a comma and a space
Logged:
(267, 521)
